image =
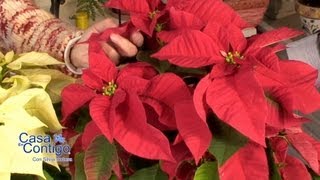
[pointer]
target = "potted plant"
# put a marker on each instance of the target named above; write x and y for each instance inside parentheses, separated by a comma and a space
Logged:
(309, 11)
(91, 7)
(199, 101)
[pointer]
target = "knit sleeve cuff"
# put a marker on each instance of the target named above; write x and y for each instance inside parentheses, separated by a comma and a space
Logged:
(67, 54)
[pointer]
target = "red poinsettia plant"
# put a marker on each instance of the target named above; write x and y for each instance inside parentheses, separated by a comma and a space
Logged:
(200, 100)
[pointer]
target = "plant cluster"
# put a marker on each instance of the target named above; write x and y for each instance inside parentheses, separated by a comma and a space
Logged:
(199, 101)
(28, 89)
(91, 7)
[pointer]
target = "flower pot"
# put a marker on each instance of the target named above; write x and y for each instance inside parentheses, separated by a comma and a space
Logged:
(82, 20)
(250, 10)
(309, 15)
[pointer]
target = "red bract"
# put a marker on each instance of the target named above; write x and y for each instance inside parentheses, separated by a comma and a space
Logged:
(229, 99)
(308, 152)
(290, 89)
(90, 132)
(225, 89)
(193, 130)
(191, 49)
(180, 153)
(294, 169)
(162, 93)
(171, 99)
(179, 21)
(113, 101)
(132, 86)
(250, 162)
(213, 10)
(241, 85)
(217, 45)
(143, 13)
(280, 148)
(308, 148)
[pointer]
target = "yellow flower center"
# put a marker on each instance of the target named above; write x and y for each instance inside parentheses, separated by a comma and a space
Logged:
(109, 89)
(153, 14)
(159, 27)
(230, 57)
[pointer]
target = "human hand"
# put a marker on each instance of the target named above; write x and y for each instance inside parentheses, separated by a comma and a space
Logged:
(120, 45)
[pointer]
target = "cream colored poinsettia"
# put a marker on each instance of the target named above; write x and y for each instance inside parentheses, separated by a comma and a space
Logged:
(29, 112)
(34, 66)
(26, 107)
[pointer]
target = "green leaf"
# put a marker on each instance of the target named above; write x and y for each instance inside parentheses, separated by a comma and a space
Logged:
(207, 171)
(46, 175)
(16, 176)
(1, 74)
(160, 66)
(113, 177)
(90, 7)
(151, 173)
(226, 141)
(99, 159)
(84, 118)
(187, 71)
(79, 165)
(274, 173)
(55, 173)
(314, 175)
(33, 59)
(165, 66)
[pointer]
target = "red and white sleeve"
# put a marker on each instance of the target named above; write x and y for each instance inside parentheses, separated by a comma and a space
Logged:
(24, 27)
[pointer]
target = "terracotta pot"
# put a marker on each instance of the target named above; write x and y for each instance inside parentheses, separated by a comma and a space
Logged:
(309, 15)
(250, 10)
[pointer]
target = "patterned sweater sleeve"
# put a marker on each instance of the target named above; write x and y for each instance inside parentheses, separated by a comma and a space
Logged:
(24, 27)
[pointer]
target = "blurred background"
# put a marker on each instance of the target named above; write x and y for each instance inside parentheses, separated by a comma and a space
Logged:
(273, 12)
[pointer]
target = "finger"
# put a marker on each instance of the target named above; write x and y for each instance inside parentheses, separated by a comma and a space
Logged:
(98, 28)
(103, 25)
(123, 45)
(137, 38)
(111, 52)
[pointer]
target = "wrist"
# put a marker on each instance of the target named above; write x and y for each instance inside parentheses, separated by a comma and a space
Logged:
(68, 56)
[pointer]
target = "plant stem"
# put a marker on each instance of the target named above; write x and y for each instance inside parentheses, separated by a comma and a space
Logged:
(119, 16)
